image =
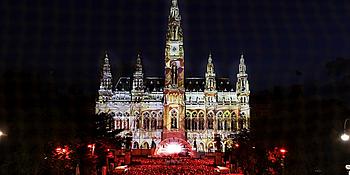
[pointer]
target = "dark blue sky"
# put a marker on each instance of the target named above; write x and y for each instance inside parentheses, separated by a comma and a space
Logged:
(283, 41)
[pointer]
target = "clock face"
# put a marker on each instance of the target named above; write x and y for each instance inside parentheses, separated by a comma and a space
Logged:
(174, 49)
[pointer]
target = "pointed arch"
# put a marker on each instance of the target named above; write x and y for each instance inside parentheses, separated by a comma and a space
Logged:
(135, 145)
(210, 120)
(227, 120)
(188, 120)
(201, 147)
(241, 121)
(145, 145)
(194, 121)
(160, 120)
(137, 120)
(233, 121)
(118, 120)
(146, 120)
(201, 120)
(211, 147)
(219, 120)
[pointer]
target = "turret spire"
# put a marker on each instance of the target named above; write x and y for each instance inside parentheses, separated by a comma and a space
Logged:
(210, 75)
(106, 81)
(242, 85)
(174, 23)
(210, 66)
(137, 85)
(209, 58)
(174, 11)
(105, 90)
(138, 63)
(242, 66)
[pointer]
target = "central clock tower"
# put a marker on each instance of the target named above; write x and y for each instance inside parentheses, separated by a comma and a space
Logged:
(174, 90)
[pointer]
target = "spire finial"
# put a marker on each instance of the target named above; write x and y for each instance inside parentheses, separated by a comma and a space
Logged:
(242, 58)
(174, 3)
(138, 60)
(174, 10)
(209, 58)
(106, 55)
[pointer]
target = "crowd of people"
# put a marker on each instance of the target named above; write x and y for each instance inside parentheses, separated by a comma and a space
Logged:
(170, 169)
(171, 166)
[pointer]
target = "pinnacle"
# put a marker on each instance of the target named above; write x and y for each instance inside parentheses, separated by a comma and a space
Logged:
(138, 61)
(242, 58)
(209, 58)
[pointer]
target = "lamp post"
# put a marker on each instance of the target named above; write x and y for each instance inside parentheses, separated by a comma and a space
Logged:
(345, 137)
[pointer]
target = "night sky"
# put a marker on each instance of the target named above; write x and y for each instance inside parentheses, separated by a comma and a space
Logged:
(283, 41)
(51, 51)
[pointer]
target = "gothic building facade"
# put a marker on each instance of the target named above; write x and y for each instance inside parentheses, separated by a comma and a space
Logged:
(154, 109)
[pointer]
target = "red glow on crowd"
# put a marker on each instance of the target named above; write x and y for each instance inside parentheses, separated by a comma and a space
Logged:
(283, 151)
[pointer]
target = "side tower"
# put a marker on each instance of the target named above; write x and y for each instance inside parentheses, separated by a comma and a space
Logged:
(105, 92)
(210, 84)
(137, 81)
(242, 89)
(174, 105)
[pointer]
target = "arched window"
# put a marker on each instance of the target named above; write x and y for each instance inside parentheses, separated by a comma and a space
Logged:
(119, 121)
(173, 115)
(210, 120)
(160, 120)
(227, 123)
(146, 121)
(188, 121)
(201, 121)
(241, 120)
(194, 121)
(233, 122)
(145, 145)
(201, 147)
(219, 120)
(137, 121)
(154, 121)
(126, 124)
(136, 145)
(211, 147)
(126, 121)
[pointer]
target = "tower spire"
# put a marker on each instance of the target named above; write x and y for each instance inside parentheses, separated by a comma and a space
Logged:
(210, 66)
(242, 66)
(138, 63)
(106, 79)
(137, 82)
(174, 23)
(210, 83)
(242, 85)
(174, 11)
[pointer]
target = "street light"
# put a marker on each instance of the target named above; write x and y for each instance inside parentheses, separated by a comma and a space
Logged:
(2, 134)
(345, 137)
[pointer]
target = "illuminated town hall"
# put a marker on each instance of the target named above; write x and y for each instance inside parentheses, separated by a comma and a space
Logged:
(160, 110)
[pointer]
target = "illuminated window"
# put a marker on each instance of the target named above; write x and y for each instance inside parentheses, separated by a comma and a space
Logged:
(219, 120)
(227, 120)
(146, 121)
(201, 121)
(194, 121)
(233, 122)
(210, 120)
(173, 115)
